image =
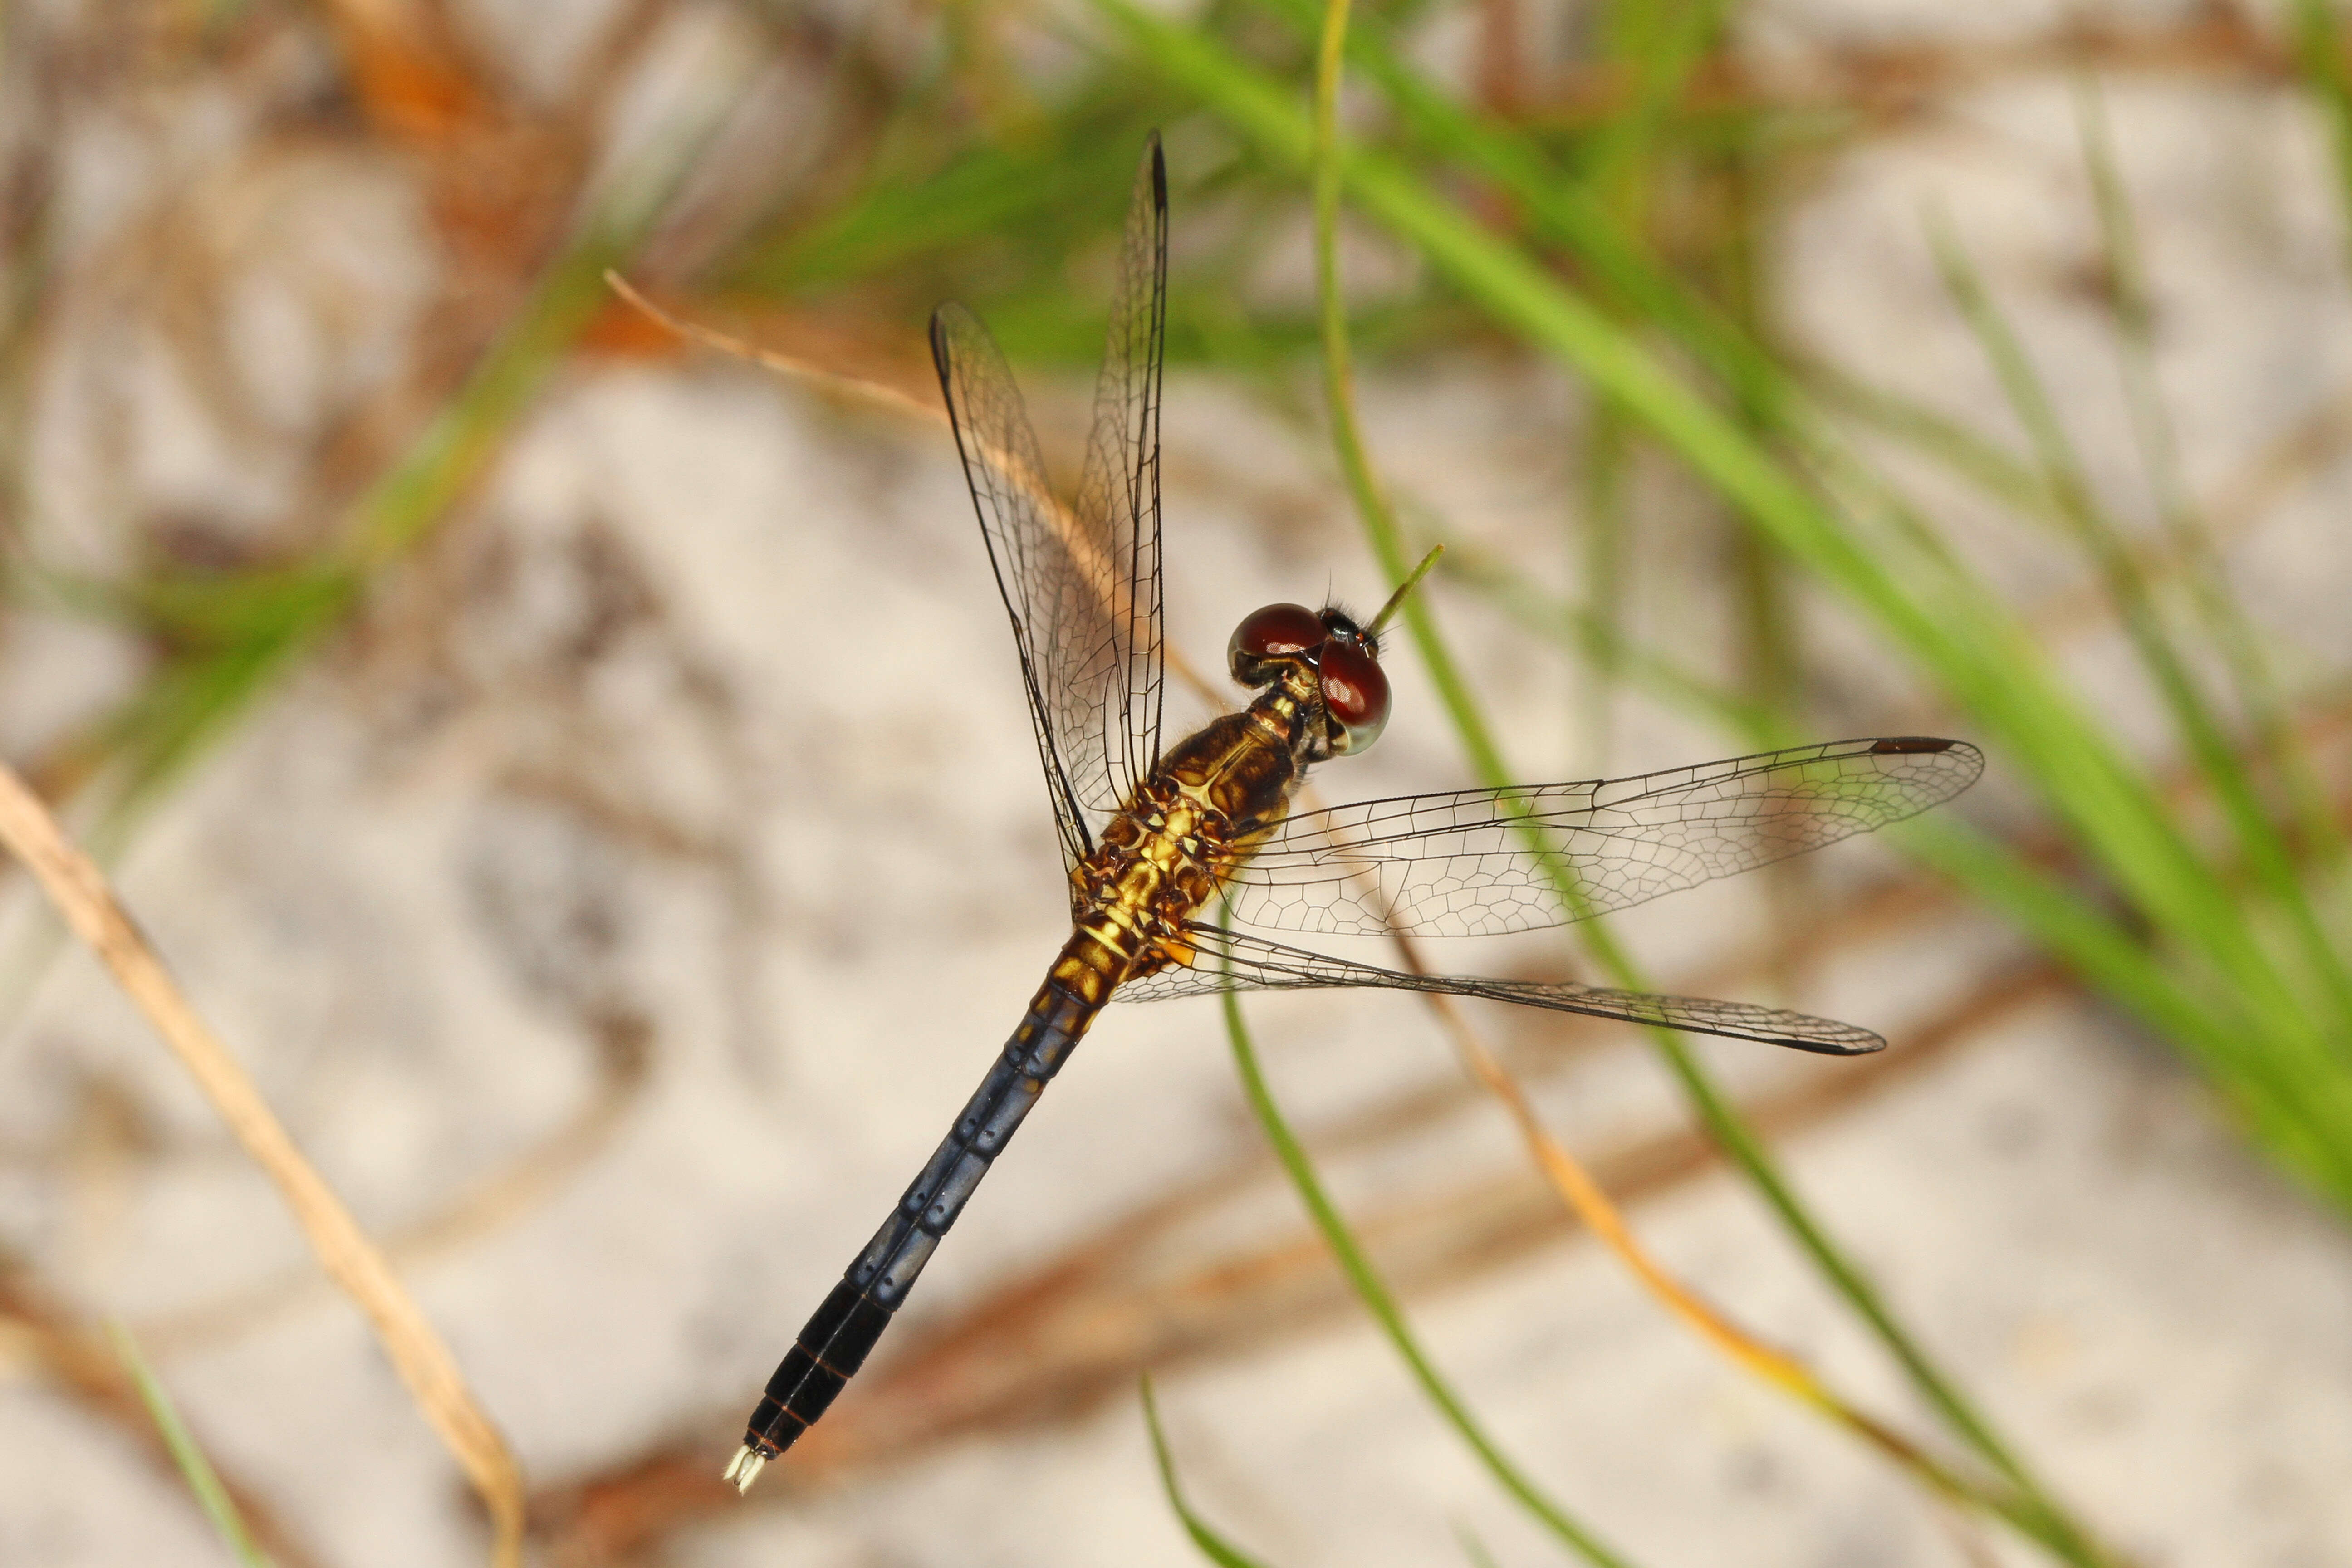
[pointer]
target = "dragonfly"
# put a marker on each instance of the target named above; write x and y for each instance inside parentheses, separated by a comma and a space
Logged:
(1182, 858)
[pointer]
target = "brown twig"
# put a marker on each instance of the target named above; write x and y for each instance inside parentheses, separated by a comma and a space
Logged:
(1095, 569)
(79, 891)
(855, 388)
(39, 1333)
(525, 1183)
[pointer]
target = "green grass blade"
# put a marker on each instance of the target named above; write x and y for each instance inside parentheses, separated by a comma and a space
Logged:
(2096, 947)
(1949, 622)
(1659, 46)
(1474, 1549)
(2185, 526)
(1382, 1306)
(1605, 466)
(1998, 474)
(2319, 53)
(1213, 1547)
(2056, 1530)
(1560, 209)
(202, 1480)
(2078, 933)
(1043, 189)
(2192, 710)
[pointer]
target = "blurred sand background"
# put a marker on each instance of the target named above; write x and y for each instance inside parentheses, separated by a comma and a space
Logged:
(558, 896)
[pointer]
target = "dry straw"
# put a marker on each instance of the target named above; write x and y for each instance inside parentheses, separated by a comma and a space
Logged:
(79, 890)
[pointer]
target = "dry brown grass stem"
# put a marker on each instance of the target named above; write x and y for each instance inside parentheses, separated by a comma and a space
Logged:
(1086, 551)
(855, 388)
(1585, 1197)
(81, 895)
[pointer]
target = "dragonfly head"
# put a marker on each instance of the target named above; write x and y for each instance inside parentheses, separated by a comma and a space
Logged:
(1336, 660)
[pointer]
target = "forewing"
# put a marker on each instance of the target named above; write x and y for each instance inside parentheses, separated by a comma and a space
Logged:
(1081, 582)
(1047, 593)
(1461, 864)
(1114, 673)
(1237, 961)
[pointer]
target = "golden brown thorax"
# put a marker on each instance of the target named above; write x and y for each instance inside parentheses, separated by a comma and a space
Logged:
(1216, 796)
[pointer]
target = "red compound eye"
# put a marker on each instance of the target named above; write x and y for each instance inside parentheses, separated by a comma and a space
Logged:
(1355, 693)
(1272, 633)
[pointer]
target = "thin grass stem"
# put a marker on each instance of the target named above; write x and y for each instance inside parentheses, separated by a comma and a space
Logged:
(1382, 1305)
(204, 1481)
(2192, 709)
(79, 893)
(2039, 1514)
(1946, 620)
(2186, 528)
(1212, 1546)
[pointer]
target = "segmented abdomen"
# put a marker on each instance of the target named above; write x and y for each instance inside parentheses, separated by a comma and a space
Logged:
(835, 1341)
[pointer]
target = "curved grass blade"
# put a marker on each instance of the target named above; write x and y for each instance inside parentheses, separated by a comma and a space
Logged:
(1948, 621)
(1384, 1307)
(2038, 1513)
(202, 1480)
(1213, 1547)
(75, 885)
(2096, 533)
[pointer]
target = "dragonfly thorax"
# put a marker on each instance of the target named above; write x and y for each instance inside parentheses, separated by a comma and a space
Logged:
(1160, 861)
(1164, 859)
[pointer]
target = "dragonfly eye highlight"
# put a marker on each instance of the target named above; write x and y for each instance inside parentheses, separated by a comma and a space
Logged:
(1269, 638)
(1342, 626)
(1355, 695)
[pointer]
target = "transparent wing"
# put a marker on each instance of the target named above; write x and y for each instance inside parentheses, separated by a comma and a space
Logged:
(1237, 961)
(1041, 587)
(1117, 685)
(1460, 864)
(1081, 583)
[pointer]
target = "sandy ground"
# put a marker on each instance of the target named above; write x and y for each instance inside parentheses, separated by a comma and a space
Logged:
(620, 911)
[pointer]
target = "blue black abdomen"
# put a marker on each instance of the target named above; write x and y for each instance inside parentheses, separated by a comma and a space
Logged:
(835, 1341)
